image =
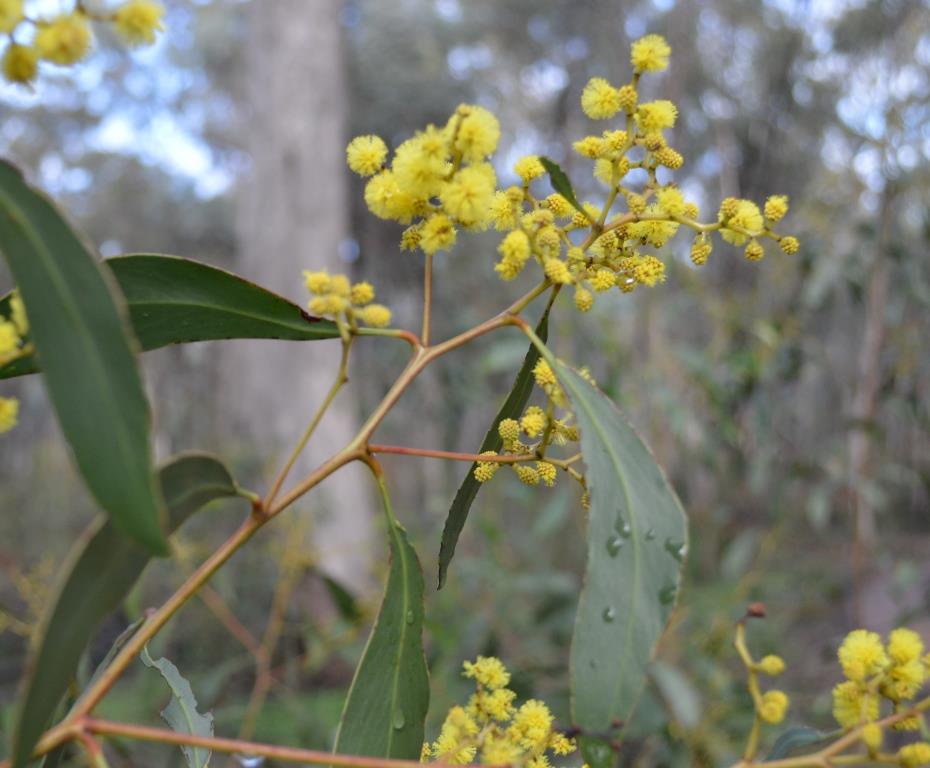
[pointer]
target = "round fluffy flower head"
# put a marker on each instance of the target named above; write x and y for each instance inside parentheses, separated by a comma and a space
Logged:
(437, 234)
(509, 430)
(599, 99)
(789, 245)
(317, 282)
(366, 154)
(478, 133)
(419, 173)
(534, 421)
(547, 472)
(458, 727)
(375, 315)
(9, 413)
(650, 53)
(671, 201)
(487, 671)
(776, 207)
(386, 200)
(469, 194)
(852, 704)
(20, 63)
(529, 168)
(903, 681)
(561, 744)
(11, 13)
(63, 40)
(862, 655)
(138, 21)
(656, 115)
(532, 725)
(905, 645)
(914, 755)
(485, 470)
(746, 216)
(774, 706)
(772, 665)
(362, 294)
(527, 475)
(584, 299)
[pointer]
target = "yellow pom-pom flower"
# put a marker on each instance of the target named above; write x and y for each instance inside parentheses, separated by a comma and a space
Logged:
(386, 200)
(776, 207)
(671, 201)
(772, 665)
(789, 245)
(872, 736)
(531, 726)
(527, 475)
(20, 63)
(584, 299)
(375, 315)
(362, 294)
(138, 21)
(11, 13)
(365, 155)
(650, 53)
(478, 133)
(317, 282)
(484, 471)
(862, 655)
(914, 755)
(438, 234)
(547, 472)
(487, 671)
(599, 99)
(628, 98)
(468, 195)
(852, 704)
(656, 115)
(63, 40)
(774, 706)
(529, 168)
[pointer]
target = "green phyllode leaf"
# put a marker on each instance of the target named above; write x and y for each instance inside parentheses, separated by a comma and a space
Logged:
(177, 301)
(637, 539)
(511, 409)
(77, 328)
(560, 182)
(102, 569)
(387, 703)
(799, 740)
(181, 713)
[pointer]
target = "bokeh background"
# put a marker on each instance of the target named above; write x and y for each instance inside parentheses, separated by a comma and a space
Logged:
(787, 400)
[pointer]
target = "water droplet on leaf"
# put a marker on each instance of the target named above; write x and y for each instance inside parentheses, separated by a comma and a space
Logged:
(651, 534)
(676, 549)
(399, 720)
(249, 761)
(614, 545)
(609, 614)
(667, 594)
(410, 617)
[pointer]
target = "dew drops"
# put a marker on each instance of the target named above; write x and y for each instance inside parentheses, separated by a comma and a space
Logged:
(667, 594)
(609, 614)
(624, 530)
(399, 720)
(592, 663)
(249, 761)
(651, 534)
(410, 617)
(614, 545)
(676, 549)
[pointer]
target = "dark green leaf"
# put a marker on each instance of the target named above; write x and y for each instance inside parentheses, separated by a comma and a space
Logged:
(511, 409)
(181, 713)
(343, 600)
(560, 182)
(90, 370)
(101, 570)
(386, 707)
(799, 740)
(175, 301)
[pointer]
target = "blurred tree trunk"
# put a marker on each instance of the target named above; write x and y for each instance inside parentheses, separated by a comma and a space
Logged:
(292, 216)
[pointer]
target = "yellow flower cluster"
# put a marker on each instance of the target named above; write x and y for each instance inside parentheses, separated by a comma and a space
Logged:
(492, 728)
(335, 297)
(67, 38)
(438, 181)
(13, 344)
(532, 435)
(895, 671)
(770, 706)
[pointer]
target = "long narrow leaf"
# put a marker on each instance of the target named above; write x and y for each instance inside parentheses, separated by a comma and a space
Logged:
(468, 490)
(386, 707)
(102, 570)
(177, 301)
(77, 328)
